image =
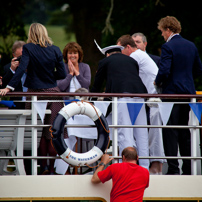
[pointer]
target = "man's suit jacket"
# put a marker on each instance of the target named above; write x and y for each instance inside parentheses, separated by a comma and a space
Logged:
(121, 73)
(8, 75)
(155, 58)
(179, 64)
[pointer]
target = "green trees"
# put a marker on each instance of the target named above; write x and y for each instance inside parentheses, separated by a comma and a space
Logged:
(11, 28)
(87, 19)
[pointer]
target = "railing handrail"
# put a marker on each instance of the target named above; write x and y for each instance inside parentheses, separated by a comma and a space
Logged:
(114, 157)
(110, 126)
(62, 94)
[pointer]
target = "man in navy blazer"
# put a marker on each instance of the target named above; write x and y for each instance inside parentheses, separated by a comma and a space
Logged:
(9, 71)
(179, 65)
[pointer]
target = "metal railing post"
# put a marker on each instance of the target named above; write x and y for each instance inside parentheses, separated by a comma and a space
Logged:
(193, 141)
(114, 130)
(34, 136)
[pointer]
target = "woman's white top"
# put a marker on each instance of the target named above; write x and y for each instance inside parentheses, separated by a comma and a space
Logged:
(74, 84)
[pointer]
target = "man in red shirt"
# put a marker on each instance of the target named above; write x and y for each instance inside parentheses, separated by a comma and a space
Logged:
(129, 179)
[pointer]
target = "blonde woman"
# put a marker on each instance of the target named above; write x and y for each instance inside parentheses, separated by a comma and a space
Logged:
(44, 64)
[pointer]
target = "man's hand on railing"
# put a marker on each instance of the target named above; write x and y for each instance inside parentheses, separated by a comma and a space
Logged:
(4, 91)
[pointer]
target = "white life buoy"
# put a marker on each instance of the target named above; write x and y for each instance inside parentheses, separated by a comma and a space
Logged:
(71, 157)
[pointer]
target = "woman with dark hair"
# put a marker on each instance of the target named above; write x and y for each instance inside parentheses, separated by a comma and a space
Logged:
(78, 77)
(78, 73)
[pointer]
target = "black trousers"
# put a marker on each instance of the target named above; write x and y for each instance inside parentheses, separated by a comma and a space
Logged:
(172, 138)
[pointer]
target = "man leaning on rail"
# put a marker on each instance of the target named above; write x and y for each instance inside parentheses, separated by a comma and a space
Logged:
(129, 179)
(121, 74)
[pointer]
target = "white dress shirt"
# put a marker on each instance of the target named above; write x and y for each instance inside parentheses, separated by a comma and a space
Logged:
(147, 69)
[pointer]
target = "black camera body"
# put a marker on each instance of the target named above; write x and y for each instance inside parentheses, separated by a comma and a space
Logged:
(18, 58)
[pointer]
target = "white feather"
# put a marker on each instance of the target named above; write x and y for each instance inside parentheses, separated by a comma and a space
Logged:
(98, 47)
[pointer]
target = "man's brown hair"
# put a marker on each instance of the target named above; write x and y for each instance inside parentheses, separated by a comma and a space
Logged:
(16, 45)
(130, 153)
(126, 40)
(171, 23)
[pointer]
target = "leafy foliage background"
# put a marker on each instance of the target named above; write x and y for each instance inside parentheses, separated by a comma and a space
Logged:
(87, 19)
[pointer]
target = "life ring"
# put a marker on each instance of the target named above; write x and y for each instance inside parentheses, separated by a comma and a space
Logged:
(71, 157)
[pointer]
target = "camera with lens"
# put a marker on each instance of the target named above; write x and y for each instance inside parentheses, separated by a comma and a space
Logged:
(18, 58)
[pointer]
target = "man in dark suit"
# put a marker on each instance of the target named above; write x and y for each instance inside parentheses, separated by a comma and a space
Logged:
(121, 74)
(179, 63)
(9, 71)
(141, 43)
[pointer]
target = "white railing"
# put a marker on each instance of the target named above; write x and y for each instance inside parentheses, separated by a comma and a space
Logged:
(194, 126)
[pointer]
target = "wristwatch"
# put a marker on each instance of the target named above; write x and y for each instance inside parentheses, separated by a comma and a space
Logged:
(102, 164)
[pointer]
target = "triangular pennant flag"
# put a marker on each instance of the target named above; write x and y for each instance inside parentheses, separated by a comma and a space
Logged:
(197, 109)
(41, 108)
(60, 165)
(102, 106)
(8, 103)
(165, 110)
(134, 109)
